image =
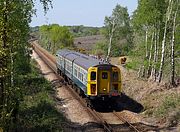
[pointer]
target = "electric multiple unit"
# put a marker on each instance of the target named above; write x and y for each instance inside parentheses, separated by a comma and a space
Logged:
(95, 78)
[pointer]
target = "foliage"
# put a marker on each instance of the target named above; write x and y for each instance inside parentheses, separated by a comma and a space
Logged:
(15, 17)
(81, 31)
(118, 31)
(37, 110)
(100, 48)
(153, 37)
(53, 37)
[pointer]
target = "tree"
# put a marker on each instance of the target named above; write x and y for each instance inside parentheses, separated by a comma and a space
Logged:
(147, 20)
(15, 17)
(174, 26)
(157, 20)
(53, 37)
(118, 28)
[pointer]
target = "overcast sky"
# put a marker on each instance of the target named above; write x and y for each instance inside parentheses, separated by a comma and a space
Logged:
(80, 12)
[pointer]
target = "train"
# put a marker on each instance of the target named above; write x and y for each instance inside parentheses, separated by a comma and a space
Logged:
(94, 78)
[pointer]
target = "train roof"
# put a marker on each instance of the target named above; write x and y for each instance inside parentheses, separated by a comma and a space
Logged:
(80, 59)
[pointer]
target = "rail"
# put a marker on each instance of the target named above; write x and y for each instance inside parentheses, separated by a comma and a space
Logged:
(125, 121)
(50, 61)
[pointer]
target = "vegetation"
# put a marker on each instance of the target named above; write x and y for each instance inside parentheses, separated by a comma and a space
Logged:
(82, 31)
(100, 48)
(156, 39)
(170, 102)
(151, 38)
(118, 33)
(37, 110)
(54, 37)
(15, 17)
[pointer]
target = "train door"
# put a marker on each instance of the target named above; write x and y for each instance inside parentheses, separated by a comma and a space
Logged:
(104, 82)
(92, 81)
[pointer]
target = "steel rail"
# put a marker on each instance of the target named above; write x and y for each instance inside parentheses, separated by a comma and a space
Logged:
(125, 121)
(46, 57)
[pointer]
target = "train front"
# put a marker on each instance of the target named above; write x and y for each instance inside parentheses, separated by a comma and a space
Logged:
(104, 82)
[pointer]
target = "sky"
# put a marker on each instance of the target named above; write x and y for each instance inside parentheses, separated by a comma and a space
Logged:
(79, 12)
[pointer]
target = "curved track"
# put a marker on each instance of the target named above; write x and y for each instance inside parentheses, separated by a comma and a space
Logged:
(51, 62)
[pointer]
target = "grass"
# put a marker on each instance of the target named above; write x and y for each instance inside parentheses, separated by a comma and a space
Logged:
(37, 110)
(132, 65)
(169, 104)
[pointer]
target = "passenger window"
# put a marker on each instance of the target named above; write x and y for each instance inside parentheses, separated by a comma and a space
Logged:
(104, 75)
(115, 76)
(75, 72)
(93, 75)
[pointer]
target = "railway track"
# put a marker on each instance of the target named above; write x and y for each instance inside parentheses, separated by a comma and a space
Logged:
(50, 60)
(125, 121)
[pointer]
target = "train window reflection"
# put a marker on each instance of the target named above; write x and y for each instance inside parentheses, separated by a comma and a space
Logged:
(104, 75)
(115, 76)
(93, 75)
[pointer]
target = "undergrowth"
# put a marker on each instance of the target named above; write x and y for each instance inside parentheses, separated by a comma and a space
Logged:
(169, 104)
(37, 110)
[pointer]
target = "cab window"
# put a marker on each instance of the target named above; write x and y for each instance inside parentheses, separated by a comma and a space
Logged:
(104, 75)
(93, 75)
(115, 76)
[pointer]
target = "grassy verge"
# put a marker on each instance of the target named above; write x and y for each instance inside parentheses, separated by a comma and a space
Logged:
(37, 110)
(171, 102)
(165, 106)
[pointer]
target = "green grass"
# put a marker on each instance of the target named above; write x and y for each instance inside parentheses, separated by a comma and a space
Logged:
(132, 65)
(37, 110)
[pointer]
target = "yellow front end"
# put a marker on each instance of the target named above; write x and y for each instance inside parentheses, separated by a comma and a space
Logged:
(116, 87)
(103, 82)
(92, 81)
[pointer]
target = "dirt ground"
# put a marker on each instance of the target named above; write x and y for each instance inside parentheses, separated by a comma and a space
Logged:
(69, 105)
(148, 93)
(142, 91)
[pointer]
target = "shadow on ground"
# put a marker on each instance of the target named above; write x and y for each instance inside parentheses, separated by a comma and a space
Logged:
(123, 102)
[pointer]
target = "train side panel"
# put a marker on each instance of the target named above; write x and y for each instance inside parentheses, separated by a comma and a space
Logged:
(79, 77)
(77, 74)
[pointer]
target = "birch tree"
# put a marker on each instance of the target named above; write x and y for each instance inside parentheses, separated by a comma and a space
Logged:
(168, 14)
(118, 28)
(160, 17)
(112, 27)
(146, 21)
(173, 45)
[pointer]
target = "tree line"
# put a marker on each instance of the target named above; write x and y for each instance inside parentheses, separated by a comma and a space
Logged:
(54, 37)
(150, 36)
(156, 27)
(15, 17)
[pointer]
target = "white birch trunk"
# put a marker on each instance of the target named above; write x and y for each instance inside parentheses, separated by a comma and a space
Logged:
(164, 41)
(111, 34)
(153, 71)
(158, 44)
(172, 50)
(150, 56)
(146, 39)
